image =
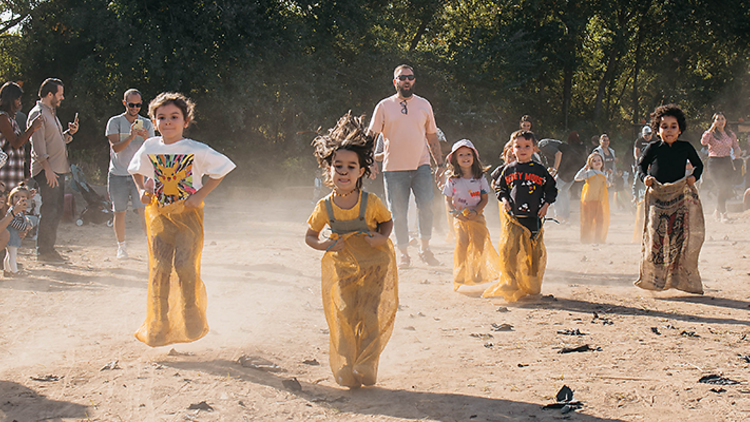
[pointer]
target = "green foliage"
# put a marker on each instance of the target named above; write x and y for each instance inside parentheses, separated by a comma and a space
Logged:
(266, 74)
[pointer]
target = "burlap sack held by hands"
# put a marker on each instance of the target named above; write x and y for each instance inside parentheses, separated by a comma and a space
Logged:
(360, 300)
(176, 307)
(522, 261)
(475, 260)
(673, 234)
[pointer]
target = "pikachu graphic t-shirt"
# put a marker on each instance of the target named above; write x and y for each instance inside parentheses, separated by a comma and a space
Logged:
(177, 168)
(527, 186)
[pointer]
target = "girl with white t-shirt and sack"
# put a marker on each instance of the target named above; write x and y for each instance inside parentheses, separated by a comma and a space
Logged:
(475, 260)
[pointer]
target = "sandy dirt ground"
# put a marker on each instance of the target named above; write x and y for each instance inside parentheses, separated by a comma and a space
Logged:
(62, 324)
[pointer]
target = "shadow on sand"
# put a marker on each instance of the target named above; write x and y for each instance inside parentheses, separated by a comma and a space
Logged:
(405, 404)
(548, 302)
(21, 403)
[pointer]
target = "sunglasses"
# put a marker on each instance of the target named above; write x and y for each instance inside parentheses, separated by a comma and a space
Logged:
(404, 110)
(135, 105)
(405, 77)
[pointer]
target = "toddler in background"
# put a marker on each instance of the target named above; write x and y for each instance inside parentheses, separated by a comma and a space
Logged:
(18, 227)
(594, 200)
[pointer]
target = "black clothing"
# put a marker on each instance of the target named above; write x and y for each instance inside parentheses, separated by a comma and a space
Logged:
(526, 186)
(722, 172)
(496, 173)
(574, 157)
(667, 163)
(548, 148)
(642, 143)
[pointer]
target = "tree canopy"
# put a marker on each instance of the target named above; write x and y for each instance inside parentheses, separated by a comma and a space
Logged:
(267, 73)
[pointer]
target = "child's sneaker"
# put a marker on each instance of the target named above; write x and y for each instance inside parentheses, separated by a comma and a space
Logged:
(122, 253)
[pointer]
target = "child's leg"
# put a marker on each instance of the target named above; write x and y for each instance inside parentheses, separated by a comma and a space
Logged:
(460, 271)
(343, 323)
(188, 247)
(372, 322)
(9, 264)
(161, 249)
(587, 222)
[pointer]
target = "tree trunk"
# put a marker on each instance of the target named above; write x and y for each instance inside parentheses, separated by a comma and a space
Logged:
(567, 91)
(603, 83)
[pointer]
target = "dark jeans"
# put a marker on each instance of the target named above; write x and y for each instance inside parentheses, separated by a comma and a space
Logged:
(721, 171)
(53, 203)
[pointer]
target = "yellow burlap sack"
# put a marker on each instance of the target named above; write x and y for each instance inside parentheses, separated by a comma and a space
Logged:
(176, 304)
(522, 261)
(360, 299)
(475, 260)
(673, 235)
(451, 236)
(595, 210)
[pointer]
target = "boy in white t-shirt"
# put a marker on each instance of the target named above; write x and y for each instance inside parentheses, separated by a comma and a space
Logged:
(174, 221)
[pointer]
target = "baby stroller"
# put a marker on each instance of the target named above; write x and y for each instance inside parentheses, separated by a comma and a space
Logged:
(98, 210)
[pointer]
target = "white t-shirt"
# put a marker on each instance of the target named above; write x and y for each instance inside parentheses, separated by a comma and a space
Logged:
(177, 168)
(465, 193)
(119, 125)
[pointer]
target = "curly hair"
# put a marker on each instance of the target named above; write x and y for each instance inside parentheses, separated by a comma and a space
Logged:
(668, 110)
(185, 104)
(351, 134)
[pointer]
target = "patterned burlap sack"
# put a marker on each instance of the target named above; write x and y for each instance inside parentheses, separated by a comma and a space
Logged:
(673, 233)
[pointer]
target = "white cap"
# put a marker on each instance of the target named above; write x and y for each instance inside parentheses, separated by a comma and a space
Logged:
(646, 130)
(462, 143)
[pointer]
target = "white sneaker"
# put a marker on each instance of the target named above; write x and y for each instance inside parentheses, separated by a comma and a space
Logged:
(122, 253)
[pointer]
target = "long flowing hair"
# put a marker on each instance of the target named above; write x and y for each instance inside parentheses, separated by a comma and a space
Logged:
(715, 132)
(350, 133)
(477, 168)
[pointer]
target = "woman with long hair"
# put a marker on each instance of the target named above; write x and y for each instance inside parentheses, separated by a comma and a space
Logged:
(721, 143)
(12, 138)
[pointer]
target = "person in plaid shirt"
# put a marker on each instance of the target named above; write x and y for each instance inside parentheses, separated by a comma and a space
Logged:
(12, 139)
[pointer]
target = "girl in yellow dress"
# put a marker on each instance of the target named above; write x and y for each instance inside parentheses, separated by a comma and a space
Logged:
(358, 269)
(594, 200)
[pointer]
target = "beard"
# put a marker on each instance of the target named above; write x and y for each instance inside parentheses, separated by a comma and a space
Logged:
(405, 92)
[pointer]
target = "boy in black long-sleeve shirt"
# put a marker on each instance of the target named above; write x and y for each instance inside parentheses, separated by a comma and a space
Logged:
(524, 187)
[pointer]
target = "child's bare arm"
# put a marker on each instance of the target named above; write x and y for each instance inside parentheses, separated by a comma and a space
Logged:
(140, 185)
(312, 238)
(543, 210)
(194, 200)
(381, 235)
(482, 203)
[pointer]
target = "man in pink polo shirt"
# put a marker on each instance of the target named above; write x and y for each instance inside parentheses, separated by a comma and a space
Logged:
(410, 136)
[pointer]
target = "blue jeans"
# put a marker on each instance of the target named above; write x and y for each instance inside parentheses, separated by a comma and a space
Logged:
(398, 185)
(53, 205)
(562, 204)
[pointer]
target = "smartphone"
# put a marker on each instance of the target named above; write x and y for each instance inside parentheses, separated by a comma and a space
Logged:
(138, 124)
